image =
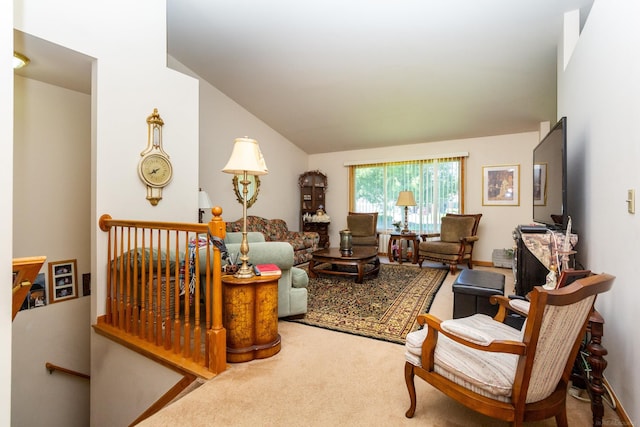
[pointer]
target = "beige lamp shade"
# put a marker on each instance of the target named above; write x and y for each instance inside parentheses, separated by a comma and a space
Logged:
(405, 198)
(204, 202)
(246, 157)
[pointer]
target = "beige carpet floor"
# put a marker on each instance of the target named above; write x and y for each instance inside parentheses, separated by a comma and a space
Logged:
(327, 378)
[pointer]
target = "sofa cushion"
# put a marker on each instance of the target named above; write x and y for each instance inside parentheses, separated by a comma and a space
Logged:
(489, 373)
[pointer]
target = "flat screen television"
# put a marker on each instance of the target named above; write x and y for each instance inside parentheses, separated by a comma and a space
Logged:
(550, 178)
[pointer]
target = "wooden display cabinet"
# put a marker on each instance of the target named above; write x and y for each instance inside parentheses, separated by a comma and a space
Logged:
(322, 228)
(313, 186)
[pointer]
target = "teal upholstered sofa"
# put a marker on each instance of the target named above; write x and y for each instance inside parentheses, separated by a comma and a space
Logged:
(292, 286)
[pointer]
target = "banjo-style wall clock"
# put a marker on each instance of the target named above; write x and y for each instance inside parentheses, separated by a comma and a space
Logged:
(154, 168)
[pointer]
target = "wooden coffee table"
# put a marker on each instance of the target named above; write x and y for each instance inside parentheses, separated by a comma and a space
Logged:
(361, 256)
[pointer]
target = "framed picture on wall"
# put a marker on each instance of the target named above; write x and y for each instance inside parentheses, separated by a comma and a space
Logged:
(63, 280)
(86, 284)
(540, 184)
(501, 185)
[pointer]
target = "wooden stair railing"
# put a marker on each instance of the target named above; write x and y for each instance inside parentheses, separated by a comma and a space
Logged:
(51, 368)
(158, 301)
(24, 271)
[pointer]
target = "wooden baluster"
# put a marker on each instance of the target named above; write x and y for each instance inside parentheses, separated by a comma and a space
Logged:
(166, 321)
(150, 309)
(143, 288)
(177, 323)
(207, 300)
(110, 262)
(186, 348)
(127, 306)
(197, 331)
(136, 287)
(158, 294)
(121, 284)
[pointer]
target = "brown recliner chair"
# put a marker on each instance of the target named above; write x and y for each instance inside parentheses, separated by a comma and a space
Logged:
(363, 227)
(454, 246)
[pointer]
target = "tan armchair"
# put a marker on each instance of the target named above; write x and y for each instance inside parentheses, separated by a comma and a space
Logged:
(455, 241)
(363, 227)
(499, 371)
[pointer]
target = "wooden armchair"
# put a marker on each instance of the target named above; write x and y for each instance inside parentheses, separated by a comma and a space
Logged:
(455, 241)
(499, 371)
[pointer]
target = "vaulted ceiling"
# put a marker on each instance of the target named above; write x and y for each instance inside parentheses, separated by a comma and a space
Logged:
(335, 75)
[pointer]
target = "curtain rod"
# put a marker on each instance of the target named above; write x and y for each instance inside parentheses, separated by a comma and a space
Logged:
(407, 158)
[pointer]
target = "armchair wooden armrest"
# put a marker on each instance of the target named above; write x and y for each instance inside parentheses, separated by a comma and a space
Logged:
(435, 326)
(504, 307)
(469, 239)
(426, 236)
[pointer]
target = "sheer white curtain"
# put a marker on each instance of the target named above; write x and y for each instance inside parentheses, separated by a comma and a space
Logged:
(436, 183)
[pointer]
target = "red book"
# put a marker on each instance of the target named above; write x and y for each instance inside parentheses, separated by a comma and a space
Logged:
(267, 270)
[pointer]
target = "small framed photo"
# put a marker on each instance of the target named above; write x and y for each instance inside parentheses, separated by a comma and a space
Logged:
(501, 185)
(540, 184)
(63, 281)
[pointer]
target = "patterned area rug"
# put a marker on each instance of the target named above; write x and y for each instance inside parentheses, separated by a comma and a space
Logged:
(383, 307)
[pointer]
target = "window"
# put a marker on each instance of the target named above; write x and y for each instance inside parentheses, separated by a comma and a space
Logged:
(436, 185)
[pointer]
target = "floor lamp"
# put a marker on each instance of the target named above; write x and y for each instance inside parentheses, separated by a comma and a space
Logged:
(246, 159)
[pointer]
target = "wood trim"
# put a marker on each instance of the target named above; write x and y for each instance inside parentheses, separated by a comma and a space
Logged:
(166, 398)
(167, 358)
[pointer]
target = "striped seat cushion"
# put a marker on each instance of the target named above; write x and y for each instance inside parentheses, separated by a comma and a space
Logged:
(489, 374)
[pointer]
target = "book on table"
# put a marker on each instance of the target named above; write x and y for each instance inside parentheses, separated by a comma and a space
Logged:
(267, 270)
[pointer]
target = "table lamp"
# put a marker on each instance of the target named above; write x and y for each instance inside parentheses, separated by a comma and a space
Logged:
(246, 159)
(204, 203)
(405, 198)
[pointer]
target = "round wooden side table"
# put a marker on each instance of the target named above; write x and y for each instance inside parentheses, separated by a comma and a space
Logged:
(395, 240)
(250, 316)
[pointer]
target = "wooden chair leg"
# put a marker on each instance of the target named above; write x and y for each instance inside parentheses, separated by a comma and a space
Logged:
(561, 419)
(411, 387)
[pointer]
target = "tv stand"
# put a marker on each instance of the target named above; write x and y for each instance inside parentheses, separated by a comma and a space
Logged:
(528, 271)
(531, 269)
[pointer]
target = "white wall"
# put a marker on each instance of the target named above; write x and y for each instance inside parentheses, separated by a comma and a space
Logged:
(599, 93)
(221, 121)
(497, 222)
(6, 194)
(57, 333)
(52, 142)
(130, 79)
(52, 154)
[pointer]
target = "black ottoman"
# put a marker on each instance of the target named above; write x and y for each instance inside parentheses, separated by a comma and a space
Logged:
(471, 292)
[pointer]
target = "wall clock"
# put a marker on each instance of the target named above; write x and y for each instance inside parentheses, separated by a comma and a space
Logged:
(154, 168)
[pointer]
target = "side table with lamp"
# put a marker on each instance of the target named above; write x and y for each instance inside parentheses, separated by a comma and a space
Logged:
(405, 199)
(250, 302)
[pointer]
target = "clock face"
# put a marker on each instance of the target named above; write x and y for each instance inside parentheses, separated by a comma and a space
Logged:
(155, 170)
